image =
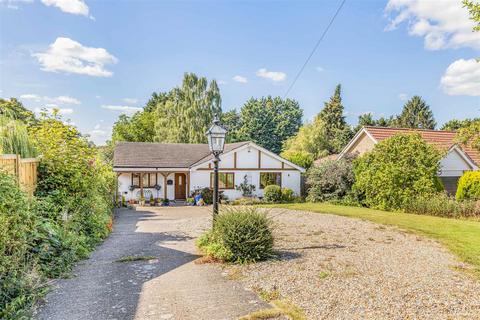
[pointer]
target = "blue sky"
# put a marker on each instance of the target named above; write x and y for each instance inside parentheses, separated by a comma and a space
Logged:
(96, 59)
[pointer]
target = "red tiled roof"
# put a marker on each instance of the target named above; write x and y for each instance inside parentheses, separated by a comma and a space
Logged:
(442, 139)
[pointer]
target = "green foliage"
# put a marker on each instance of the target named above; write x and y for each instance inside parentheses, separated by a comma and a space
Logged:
(455, 124)
(139, 127)
(302, 158)
(269, 121)
(187, 111)
(240, 235)
(474, 11)
(367, 119)
(246, 188)
(327, 134)
(232, 122)
(19, 279)
(14, 138)
(469, 186)
(246, 201)
(288, 195)
(440, 204)
(206, 193)
(470, 135)
(416, 114)
(14, 109)
(396, 170)
(272, 193)
(330, 180)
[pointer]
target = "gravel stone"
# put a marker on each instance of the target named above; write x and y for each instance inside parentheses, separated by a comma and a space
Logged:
(335, 267)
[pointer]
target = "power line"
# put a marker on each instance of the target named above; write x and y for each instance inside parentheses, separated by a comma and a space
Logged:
(315, 48)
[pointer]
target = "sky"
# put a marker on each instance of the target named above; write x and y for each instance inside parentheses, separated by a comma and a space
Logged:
(97, 59)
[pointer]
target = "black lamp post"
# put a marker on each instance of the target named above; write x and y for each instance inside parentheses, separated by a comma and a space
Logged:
(216, 142)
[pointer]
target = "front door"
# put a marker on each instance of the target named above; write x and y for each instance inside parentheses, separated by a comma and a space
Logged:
(180, 186)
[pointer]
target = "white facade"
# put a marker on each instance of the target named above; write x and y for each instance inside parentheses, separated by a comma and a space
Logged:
(248, 160)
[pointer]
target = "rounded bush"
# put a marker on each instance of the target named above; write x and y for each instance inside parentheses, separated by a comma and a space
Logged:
(288, 195)
(330, 180)
(272, 193)
(239, 235)
(469, 186)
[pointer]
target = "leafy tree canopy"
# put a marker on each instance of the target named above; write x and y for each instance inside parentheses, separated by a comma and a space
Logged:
(327, 134)
(474, 10)
(455, 124)
(470, 135)
(187, 111)
(14, 109)
(269, 121)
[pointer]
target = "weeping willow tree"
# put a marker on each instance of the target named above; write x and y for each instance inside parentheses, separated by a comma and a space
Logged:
(14, 138)
(186, 113)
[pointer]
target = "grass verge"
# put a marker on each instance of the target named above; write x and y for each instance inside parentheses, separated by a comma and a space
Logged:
(135, 258)
(460, 236)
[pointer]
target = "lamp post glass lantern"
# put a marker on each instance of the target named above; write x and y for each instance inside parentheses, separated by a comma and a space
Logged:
(216, 142)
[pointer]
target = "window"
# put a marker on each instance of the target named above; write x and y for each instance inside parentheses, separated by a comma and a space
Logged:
(149, 180)
(268, 178)
(226, 180)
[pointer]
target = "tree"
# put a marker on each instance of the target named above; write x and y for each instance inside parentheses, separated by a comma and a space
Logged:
(138, 128)
(397, 169)
(14, 138)
(416, 114)
(270, 121)
(474, 11)
(187, 113)
(14, 109)
(327, 134)
(336, 130)
(470, 135)
(232, 122)
(367, 119)
(455, 124)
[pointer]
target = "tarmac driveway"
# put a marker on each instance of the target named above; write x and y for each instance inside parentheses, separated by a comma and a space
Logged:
(170, 286)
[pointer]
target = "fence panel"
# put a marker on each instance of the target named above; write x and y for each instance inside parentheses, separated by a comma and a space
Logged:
(25, 170)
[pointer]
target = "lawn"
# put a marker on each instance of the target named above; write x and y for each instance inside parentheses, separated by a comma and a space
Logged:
(462, 237)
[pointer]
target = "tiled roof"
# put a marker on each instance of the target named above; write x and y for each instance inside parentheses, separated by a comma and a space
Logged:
(442, 139)
(163, 155)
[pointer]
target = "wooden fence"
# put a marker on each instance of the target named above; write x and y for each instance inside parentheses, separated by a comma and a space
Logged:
(25, 170)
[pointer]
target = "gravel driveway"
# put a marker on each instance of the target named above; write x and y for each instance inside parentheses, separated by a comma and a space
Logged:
(341, 268)
(170, 286)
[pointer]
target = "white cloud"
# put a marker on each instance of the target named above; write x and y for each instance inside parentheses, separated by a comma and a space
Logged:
(70, 56)
(319, 69)
(275, 76)
(442, 24)
(51, 108)
(462, 77)
(222, 82)
(240, 79)
(402, 96)
(69, 6)
(55, 100)
(130, 100)
(122, 109)
(13, 4)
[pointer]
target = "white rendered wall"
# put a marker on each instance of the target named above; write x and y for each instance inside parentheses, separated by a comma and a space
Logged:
(125, 180)
(453, 165)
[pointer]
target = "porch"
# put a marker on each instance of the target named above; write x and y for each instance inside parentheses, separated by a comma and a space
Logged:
(153, 185)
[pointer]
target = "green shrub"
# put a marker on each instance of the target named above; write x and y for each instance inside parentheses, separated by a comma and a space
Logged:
(19, 278)
(272, 193)
(442, 205)
(330, 180)
(288, 195)
(206, 193)
(469, 186)
(239, 235)
(396, 170)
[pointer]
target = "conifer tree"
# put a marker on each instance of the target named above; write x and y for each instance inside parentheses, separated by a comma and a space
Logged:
(416, 114)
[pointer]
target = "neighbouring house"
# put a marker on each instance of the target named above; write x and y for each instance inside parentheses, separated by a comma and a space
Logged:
(174, 170)
(458, 159)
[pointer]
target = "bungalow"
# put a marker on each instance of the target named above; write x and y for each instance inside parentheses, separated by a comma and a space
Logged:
(174, 170)
(457, 160)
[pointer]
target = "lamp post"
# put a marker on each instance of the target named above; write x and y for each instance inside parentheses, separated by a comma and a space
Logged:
(216, 142)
